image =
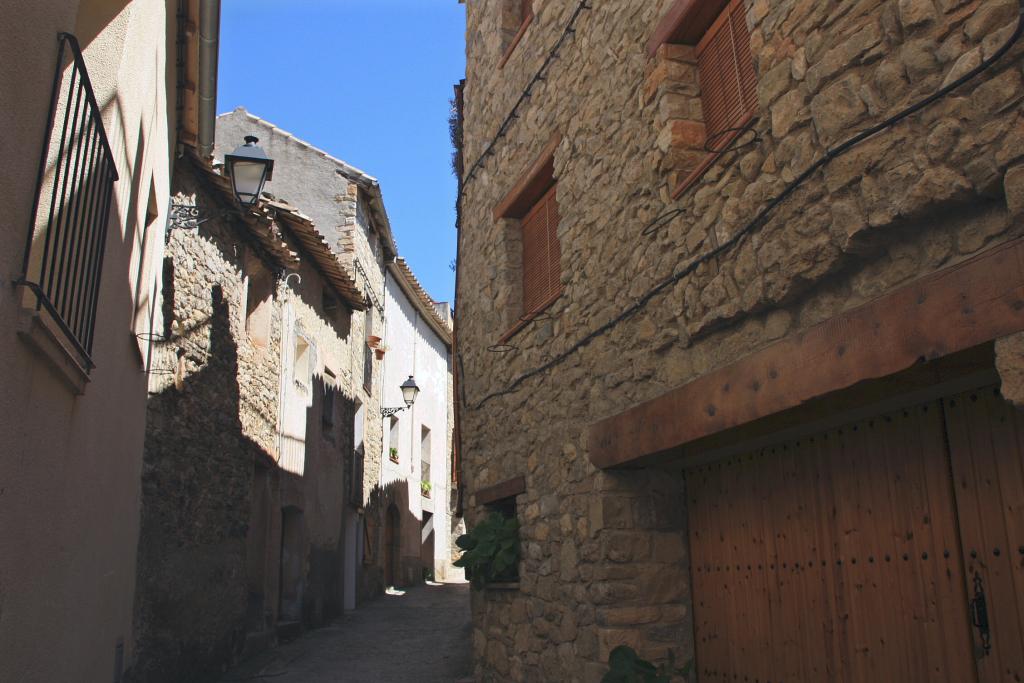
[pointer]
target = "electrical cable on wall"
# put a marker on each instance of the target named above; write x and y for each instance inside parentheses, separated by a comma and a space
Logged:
(761, 218)
(538, 77)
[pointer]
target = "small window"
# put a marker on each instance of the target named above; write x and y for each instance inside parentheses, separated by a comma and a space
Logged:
(393, 437)
(330, 304)
(705, 76)
(728, 82)
(542, 254)
(167, 298)
(327, 408)
(301, 367)
(516, 17)
(357, 463)
(258, 303)
(534, 203)
(368, 353)
(425, 484)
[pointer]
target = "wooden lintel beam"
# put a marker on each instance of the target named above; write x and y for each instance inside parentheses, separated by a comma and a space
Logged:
(947, 311)
(502, 490)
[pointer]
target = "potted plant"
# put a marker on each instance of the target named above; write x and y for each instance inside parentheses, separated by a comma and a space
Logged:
(372, 341)
(393, 454)
(425, 489)
(380, 351)
(626, 666)
(491, 551)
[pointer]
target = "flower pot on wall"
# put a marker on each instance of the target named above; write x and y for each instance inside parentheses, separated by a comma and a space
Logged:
(379, 352)
(373, 341)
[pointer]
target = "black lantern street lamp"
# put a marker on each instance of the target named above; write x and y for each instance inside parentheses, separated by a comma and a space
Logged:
(409, 393)
(249, 168)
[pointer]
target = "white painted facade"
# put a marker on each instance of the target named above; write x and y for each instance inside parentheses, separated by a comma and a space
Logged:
(421, 432)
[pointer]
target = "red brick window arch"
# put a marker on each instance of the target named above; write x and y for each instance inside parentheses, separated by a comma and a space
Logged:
(704, 83)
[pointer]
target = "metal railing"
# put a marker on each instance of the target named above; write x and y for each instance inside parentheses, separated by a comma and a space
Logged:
(74, 189)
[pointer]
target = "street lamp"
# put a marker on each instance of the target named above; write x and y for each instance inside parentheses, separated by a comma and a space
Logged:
(249, 168)
(409, 393)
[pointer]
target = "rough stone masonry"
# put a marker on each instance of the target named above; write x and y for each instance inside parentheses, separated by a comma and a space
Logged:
(604, 553)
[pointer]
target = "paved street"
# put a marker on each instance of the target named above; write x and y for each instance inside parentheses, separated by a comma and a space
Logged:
(423, 636)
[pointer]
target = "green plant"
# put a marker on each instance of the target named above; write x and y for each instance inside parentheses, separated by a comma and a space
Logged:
(626, 666)
(425, 487)
(491, 550)
(393, 454)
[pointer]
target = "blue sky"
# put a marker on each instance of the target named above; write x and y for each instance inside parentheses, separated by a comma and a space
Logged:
(369, 81)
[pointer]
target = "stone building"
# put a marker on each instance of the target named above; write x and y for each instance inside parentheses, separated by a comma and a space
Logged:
(724, 356)
(249, 460)
(347, 206)
(98, 96)
(417, 443)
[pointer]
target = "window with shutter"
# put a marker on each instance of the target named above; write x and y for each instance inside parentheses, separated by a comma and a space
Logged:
(532, 206)
(541, 254)
(701, 45)
(517, 15)
(728, 81)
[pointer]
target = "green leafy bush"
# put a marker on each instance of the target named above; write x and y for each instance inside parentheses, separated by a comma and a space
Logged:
(626, 666)
(491, 551)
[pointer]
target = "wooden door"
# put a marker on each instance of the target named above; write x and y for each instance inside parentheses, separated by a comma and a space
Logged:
(834, 557)
(986, 440)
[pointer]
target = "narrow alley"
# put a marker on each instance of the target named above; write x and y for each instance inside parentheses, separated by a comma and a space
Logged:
(422, 636)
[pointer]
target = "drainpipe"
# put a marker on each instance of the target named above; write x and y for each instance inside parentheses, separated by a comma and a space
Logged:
(209, 46)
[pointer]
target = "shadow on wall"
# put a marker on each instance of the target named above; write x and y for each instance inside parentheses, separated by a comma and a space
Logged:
(320, 496)
(232, 547)
(191, 598)
(392, 540)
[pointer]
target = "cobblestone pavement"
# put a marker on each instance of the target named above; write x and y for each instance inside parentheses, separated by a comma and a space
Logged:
(423, 636)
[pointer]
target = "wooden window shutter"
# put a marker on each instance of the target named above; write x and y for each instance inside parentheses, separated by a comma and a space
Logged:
(542, 254)
(728, 80)
(525, 9)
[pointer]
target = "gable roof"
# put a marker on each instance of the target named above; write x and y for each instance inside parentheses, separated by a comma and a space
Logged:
(366, 182)
(420, 299)
(299, 239)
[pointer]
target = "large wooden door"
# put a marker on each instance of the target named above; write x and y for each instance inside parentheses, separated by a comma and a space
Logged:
(835, 557)
(986, 441)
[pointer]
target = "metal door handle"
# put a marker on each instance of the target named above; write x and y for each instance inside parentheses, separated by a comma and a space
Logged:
(978, 607)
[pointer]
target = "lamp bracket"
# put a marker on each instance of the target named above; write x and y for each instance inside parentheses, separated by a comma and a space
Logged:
(388, 412)
(185, 215)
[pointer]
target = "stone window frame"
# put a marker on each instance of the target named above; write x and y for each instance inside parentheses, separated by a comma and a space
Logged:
(673, 86)
(258, 300)
(535, 183)
(516, 17)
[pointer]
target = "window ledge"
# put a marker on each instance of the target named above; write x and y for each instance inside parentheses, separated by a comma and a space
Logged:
(503, 586)
(33, 329)
(697, 173)
(527, 318)
(515, 41)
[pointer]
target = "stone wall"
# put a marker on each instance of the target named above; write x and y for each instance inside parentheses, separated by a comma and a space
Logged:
(928, 192)
(211, 417)
(245, 502)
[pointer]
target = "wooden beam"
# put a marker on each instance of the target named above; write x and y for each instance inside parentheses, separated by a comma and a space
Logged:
(948, 311)
(532, 184)
(500, 491)
(685, 22)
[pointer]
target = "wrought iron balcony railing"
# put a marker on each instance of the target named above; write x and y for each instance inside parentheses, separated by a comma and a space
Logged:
(74, 190)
